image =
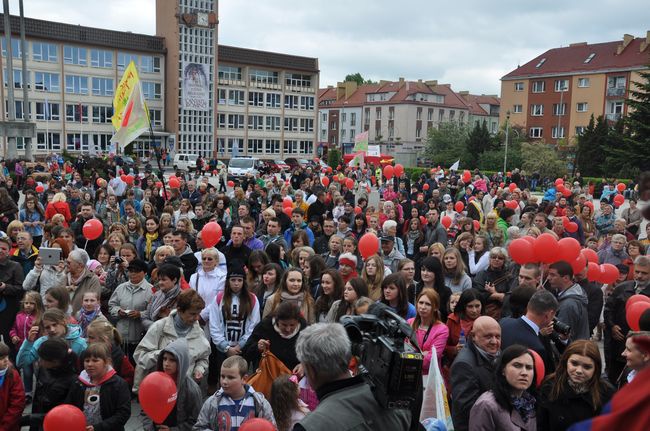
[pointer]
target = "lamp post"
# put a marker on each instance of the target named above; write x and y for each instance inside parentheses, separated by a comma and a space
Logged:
(505, 157)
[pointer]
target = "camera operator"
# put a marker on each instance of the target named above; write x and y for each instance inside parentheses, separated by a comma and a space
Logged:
(573, 302)
(346, 402)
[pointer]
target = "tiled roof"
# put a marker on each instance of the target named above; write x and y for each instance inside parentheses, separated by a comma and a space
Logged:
(474, 102)
(49, 30)
(267, 59)
(571, 59)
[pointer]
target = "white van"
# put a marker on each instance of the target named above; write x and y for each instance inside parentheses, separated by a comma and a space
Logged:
(239, 167)
(185, 162)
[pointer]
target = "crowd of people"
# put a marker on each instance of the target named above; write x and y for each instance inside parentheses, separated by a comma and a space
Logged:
(150, 293)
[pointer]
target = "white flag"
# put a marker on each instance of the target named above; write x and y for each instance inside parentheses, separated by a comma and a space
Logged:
(455, 166)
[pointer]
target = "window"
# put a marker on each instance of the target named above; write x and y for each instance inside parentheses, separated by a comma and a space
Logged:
(307, 103)
(430, 114)
(353, 133)
(561, 85)
(517, 109)
(461, 117)
(344, 117)
(102, 86)
(156, 116)
(559, 109)
(18, 78)
(418, 133)
(76, 142)
(16, 52)
(151, 90)
(255, 145)
(535, 132)
(48, 112)
(537, 110)
(103, 114)
(378, 113)
(272, 146)
(441, 115)
(101, 141)
(235, 121)
(230, 73)
(46, 82)
(583, 82)
(290, 146)
(298, 80)
(290, 124)
(263, 76)
(418, 114)
(75, 84)
(291, 102)
(581, 107)
(101, 58)
(76, 113)
(149, 64)
(273, 123)
(48, 141)
(590, 57)
(353, 119)
(221, 121)
(452, 115)
(123, 60)
(306, 147)
(75, 55)
(42, 51)
(519, 86)
(306, 124)
(539, 86)
(616, 86)
(256, 122)
(343, 135)
(18, 109)
(273, 100)
(222, 96)
(541, 62)
(580, 130)
(555, 134)
(256, 98)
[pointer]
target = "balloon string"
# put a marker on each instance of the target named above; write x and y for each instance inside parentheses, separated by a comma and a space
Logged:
(86, 245)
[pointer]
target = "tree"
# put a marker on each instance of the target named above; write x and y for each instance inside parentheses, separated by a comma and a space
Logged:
(356, 77)
(448, 143)
(478, 142)
(334, 157)
(590, 155)
(542, 158)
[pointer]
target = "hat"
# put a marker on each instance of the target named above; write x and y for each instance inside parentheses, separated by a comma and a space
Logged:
(446, 199)
(174, 260)
(348, 259)
(138, 265)
(93, 264)
(236, 271)
(386, 237)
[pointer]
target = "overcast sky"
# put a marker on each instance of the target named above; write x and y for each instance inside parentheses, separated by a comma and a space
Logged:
(469, 44)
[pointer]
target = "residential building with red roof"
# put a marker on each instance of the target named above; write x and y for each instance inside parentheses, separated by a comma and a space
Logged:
(554, 95)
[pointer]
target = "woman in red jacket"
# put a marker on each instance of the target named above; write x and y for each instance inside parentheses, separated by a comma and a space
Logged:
(58, 206)
(12, 393)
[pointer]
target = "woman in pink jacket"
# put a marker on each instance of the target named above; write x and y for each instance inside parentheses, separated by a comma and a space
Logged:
(430, 332)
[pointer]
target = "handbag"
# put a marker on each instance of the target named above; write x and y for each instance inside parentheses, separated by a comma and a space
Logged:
(269, 369)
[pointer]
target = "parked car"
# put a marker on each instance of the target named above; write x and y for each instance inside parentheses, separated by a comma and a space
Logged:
(282, 165)
(239, 167)
(185, 162)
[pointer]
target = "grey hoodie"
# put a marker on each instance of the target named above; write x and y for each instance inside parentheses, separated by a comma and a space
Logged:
(189, 399)
(208, 419)
(573, 312)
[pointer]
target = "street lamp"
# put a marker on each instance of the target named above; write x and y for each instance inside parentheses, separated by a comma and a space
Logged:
(505, 157)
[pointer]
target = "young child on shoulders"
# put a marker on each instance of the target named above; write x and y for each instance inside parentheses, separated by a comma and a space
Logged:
(102, 395)
(174, 361)
(12, 393)
(235, 402)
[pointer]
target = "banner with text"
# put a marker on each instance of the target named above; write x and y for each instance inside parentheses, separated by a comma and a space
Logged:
(196, 89)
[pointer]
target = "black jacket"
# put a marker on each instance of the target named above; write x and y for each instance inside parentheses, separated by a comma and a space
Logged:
(284, 349)
(614, 313)
(471, 375)
(52, 386)
(114, 399)
(517, 331)
(595, 304)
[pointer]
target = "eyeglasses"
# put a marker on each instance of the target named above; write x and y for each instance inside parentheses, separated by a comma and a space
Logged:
(207, 258)
(498, 257)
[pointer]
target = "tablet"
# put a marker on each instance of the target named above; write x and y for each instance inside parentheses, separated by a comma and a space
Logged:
(50, 256)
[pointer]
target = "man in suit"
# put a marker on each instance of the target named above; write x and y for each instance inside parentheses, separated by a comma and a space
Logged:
(532, 328)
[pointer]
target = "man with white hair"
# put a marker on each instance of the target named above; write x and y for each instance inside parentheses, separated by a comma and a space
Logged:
(80, 279)
(615, 252)
(345, 402)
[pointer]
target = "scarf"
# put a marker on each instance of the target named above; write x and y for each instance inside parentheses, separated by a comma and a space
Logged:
(162, 300)
(578, 388)
(412, 236)
(524, 405)
(489, 356)
(85, 317)
(286, 337)
(2, 376)
(296, 299)
(150, 237)
(181, 328)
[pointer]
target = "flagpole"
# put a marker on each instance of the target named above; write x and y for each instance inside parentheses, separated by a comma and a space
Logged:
(157, 153)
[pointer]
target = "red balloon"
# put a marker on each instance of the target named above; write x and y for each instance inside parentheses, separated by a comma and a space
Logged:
(423, 221)
(129, 179)
(373, 179)
(636, 298)
(565, 221)
(40, 189)
(349, 182)
(620, 187)
(325, 181)
(608, 273)
(530, 239)
(545, 248)
(477, 225)
(566, 193)
(569, 249)
(513, 205)
(590, 255)
(512, 187)
(502, 185)
(288, 211)
(64, 417)
(157, 395)
(579, 264)
(211, 234)
(159, 184)
(571, 227)
(633, 314)
(231, 183)
(123, 177)
(521, 251)
(560, 188)
(256, 424)
(559, 181)
(388, 171)
(99, 182)
(358, 210)
(459, 206)
(174, 183)
(368, 245)
(398, 170)
(508, 174)
(425, 187)
(619, 200)
(287, 202)
(446, 221)
(593, 271)
(539, 368)
(92, 229)
(215, 172)
(329, 169)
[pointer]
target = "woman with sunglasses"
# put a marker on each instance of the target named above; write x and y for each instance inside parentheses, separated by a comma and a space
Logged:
(494, 282)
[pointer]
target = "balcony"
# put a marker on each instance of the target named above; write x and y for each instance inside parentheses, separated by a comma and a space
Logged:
(616, 91)
(614, 117)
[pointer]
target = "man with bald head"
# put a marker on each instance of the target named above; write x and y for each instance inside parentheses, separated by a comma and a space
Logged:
(472, 373)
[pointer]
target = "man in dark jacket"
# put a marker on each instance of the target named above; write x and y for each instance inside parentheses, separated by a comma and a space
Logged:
(472, 372)
(184, 253)
(318, 208)
(433, 231)
(572, 299)
(11, 290)
(86, 212)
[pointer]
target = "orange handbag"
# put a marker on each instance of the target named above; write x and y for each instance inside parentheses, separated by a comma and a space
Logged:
(270, 368)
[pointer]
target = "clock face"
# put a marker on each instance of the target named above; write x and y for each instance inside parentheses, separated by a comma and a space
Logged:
(202, 19)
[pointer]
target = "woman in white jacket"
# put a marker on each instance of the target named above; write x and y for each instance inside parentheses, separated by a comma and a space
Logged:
(209, 279)
(233, 316)
(45, 277)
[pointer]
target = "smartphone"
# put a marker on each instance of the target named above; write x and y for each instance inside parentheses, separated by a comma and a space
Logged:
(50, 256)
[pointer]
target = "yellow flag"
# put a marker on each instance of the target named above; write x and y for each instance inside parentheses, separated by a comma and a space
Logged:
(123, 92)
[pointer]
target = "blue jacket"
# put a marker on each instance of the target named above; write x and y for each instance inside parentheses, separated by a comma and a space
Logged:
(28, 352)
(289, 232)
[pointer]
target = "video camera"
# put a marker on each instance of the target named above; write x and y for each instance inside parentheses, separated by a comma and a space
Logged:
(391, 366)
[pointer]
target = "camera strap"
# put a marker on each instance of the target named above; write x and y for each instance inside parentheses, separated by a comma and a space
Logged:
(426, 335)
